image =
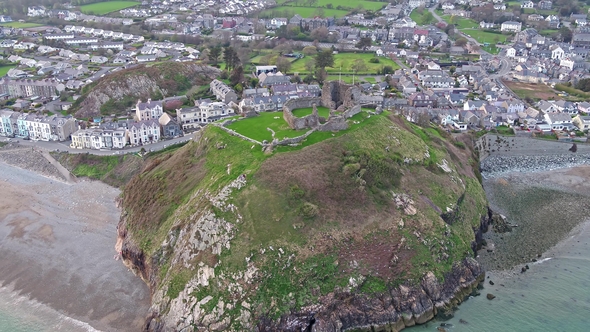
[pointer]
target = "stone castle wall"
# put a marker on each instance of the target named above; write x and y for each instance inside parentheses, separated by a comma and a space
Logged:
(308, 121)
(340, 96)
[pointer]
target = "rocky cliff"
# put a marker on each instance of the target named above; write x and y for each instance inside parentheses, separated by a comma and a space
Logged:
(116, 92)
(369, 229)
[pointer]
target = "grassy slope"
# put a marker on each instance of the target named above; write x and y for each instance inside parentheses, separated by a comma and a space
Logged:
(323, 204)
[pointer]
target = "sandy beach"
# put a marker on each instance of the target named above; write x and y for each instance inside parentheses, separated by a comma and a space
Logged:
(57, 243)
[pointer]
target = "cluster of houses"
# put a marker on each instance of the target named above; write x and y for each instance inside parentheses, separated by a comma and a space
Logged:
(150, 125)
(36, 127)
(540, 60)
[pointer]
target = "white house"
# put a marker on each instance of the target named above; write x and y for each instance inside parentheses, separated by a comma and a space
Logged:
(99, 59)
(513, 106)
(511, 26)
(486, 25)
(567, 62)
(511, 52)
(448, 5)
(527, 4)
(36, 11)
(144, 132)
(558, 121)
(556, 52)
(152, 109)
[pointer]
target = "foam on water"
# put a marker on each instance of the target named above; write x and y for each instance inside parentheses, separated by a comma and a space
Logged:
(18, 313)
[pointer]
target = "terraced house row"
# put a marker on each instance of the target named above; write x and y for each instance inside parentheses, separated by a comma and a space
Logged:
(36, 127)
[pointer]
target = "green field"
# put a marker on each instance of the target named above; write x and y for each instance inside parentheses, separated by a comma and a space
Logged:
(288, 11)
(5, 69)
(419, 17)
(485, 36)
(20, 25)
(345, 61)
(491, 49)
(461, 23)
(369, 5)
(102, 8)
(301, 112)
(255, 127)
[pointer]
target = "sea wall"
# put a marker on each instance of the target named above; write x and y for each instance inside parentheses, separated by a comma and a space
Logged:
(493, 145)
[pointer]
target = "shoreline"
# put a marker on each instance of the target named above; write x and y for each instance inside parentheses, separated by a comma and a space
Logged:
(545, 205)
(547, 256)
(59, 239)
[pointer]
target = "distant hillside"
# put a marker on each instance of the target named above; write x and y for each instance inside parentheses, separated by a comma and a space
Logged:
(115, 93)
(372, 228)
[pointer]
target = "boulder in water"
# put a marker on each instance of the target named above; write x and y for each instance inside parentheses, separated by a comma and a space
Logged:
(491, 296)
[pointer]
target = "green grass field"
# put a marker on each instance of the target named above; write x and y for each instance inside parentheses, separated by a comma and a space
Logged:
(345, 61)
(255, 127)
(288, 11)
(344, 78)
(101, 8)
(491, 49)
(301, 112)
(419, 17)
(485, 36)
(369, 5)
(5, 69)
(20, 25)
(461, 23)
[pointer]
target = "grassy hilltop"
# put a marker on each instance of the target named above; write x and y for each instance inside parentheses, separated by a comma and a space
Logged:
(306, 223)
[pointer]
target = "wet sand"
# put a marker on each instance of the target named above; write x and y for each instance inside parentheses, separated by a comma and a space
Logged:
(57, 246)
(547, 206)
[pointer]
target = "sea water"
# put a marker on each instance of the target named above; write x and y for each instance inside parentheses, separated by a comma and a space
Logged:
(18, 313)
(552, 295)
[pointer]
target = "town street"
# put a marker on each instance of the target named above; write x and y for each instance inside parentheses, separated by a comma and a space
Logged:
(65, 146)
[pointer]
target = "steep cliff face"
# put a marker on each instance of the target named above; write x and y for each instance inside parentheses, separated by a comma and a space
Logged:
(116, 92)
(347, 233)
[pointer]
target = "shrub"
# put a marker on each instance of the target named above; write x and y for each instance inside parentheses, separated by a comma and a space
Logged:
(308, 210)
(374, 60)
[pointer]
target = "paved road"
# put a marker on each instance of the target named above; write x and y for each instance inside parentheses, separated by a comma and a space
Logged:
(65, 146)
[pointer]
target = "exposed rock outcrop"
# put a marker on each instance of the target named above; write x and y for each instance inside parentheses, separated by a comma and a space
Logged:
(400, 307)
(142, 82)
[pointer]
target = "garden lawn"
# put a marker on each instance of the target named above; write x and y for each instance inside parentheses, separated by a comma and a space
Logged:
(368, 5)
(345, 78)
(288, 11)
(345, 61)
(491, 49)
(255, 127)
(301, 112)
(5, 69)
(461, 23)
(20, 25)
(419, 18)
(485, 36)
(101, 8)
